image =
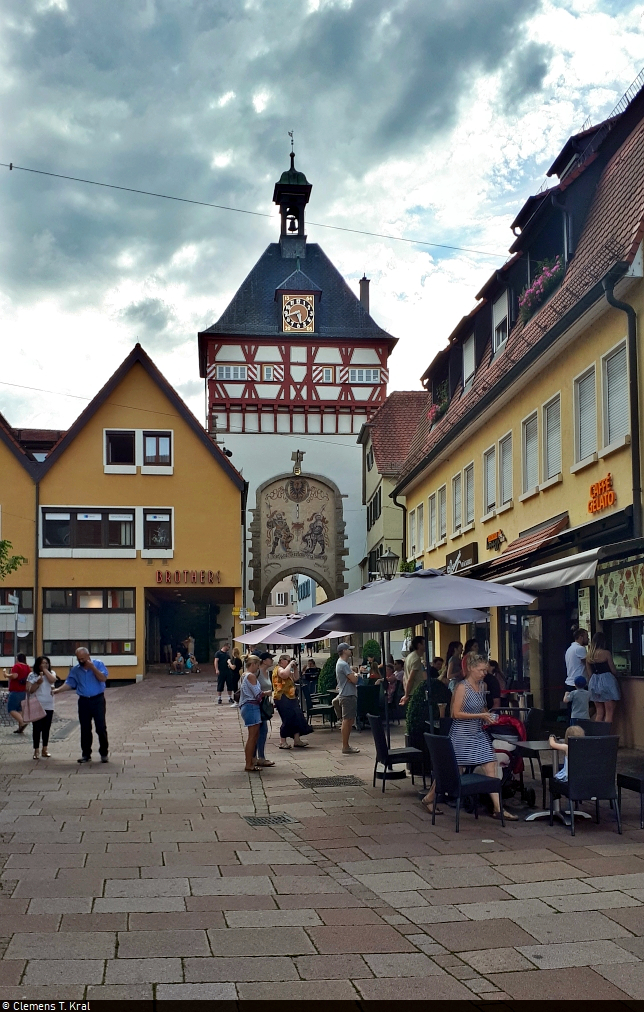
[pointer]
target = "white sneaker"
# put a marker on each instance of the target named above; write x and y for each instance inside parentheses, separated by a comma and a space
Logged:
(231, 702)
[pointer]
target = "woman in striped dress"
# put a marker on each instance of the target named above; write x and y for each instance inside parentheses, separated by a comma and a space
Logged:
(472, 746)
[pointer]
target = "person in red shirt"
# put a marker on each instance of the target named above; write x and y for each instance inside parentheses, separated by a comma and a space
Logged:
(17, 691)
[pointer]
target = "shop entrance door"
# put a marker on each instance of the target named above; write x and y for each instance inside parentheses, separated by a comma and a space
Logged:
(522, 652)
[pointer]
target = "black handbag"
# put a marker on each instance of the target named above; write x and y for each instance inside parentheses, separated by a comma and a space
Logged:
(266, 708)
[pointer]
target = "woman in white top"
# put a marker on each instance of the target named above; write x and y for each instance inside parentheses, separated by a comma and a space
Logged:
(40, 683)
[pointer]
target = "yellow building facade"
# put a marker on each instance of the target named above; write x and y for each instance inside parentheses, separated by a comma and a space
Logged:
(132, 525)
(525, 467)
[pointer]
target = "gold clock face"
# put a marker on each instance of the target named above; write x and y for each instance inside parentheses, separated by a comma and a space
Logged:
(298, 313)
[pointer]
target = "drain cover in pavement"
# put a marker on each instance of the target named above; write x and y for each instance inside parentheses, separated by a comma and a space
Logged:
(268, 820)
(315, 782)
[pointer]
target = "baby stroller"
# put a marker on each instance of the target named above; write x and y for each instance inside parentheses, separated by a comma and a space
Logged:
(505, 734)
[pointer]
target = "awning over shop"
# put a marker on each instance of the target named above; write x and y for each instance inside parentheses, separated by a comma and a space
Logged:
(529, 543)
(559, 573)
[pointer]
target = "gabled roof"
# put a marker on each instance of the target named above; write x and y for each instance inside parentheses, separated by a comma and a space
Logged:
(611, 236)
(252, 311)
(393, 426)
(137, 355)
(8, 437)
(298, 282)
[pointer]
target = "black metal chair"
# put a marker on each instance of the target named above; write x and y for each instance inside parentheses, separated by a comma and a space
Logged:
(592, 769)
(388, 756)
(317, 709)
(595, 728)
(449, 780)
(533, 722)
(631, 782)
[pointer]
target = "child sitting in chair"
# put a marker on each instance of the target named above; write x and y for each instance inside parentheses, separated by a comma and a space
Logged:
(574, 731)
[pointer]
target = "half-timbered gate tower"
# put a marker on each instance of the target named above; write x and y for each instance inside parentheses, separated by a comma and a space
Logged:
(296, 363)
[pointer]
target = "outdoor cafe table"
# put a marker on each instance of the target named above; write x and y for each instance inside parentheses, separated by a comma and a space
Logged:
(544, 746)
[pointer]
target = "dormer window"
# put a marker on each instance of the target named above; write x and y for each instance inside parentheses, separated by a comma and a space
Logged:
(500, 321)
(468, 362)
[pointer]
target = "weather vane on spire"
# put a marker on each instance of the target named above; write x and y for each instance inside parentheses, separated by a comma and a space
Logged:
(290, 133)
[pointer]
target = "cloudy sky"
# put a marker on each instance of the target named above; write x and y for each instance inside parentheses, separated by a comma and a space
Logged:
(427, 121)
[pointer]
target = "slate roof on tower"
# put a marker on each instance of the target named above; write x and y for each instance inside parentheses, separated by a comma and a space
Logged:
(340, 314)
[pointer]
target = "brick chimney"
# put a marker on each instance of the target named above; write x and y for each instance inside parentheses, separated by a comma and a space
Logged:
(364, 292)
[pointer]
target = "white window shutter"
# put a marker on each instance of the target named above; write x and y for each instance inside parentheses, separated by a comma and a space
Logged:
(530, 454)
(469, 494)
(412, 534)
(457, 502)
(490, 481)
(617, 420)
(420, 527)
(432, 519)
(468, 359)
(586, 416)
(505, 450)
(442, 510)
(553, 439)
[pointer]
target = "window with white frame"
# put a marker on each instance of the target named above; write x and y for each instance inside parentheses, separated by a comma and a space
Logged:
(232, 372)
(364, 375)
(432, 520)
(585, 416)
(530, 453)
(552, 438)
(505, 469)
(281, 598)
(420, 527)
(412, 534)
(442, 513)
(457, 503)
(500, 326)
(468, 361)
(616, 407)
(327, 375)
(489, 480)
(268, 373)
(468, 499)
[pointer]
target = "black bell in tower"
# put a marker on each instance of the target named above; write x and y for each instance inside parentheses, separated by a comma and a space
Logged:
(292, 194)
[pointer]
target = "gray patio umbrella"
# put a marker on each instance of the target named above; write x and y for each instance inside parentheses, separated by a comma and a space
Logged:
(410, 599)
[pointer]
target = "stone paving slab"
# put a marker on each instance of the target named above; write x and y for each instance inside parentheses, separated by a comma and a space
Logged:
(140, 879)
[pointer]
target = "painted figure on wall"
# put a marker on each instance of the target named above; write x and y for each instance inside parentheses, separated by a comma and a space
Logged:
(316, 535)
(278, 528)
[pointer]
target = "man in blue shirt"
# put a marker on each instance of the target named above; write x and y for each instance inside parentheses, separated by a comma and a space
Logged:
(88, 678)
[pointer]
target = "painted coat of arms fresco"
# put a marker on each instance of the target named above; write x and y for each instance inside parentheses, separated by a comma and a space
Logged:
(298, 527)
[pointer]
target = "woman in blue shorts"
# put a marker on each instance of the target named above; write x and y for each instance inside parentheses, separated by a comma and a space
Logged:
(250, 698)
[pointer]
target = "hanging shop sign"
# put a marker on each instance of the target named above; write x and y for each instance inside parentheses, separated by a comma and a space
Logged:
(462, 559)
(194, 576)
(602, 495)
(494, 541)
(583, 606)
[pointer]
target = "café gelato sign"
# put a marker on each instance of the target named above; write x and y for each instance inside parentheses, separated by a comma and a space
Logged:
(602, 495)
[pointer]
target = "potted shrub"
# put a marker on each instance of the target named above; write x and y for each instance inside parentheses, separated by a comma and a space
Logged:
(327, 681)
(371, 648)
(416, 717)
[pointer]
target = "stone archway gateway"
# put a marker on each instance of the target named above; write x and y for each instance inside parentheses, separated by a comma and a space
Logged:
(298, 527)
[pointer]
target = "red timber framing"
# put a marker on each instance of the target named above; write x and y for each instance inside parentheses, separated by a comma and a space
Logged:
(298, 383)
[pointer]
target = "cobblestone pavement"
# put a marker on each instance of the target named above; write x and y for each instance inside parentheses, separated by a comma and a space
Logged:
(142, 877)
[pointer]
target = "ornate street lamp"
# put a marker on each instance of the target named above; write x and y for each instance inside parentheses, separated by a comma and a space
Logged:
(388, 564)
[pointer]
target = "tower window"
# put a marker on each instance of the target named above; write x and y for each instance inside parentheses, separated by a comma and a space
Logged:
(364, 375)
(269, 373)
(327, 375)
(232, 372)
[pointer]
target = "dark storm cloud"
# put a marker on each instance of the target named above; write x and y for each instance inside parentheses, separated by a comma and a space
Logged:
(131, 93)
(526, 73)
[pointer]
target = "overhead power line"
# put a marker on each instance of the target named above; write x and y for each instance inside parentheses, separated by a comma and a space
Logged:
(257, 214)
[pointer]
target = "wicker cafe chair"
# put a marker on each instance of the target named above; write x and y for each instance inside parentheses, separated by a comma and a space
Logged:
(449, 780)
(388, 756)
(592, 769)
